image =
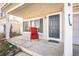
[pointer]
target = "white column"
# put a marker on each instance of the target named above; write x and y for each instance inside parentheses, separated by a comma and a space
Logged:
(22, 26)
(7, 27)
(45, 28)
(68, 29)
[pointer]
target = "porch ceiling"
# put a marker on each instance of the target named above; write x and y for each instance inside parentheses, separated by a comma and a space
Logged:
(32, 10)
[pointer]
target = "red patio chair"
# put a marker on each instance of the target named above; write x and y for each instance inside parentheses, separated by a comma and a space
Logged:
(34, 33)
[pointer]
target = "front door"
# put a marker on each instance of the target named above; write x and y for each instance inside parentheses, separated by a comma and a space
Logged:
(54, 27)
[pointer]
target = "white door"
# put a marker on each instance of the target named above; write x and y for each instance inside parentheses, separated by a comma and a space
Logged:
(76, 29)
(54, 27)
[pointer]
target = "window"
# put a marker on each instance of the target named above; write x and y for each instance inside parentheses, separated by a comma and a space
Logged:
(25, 27)
(39, 25)
(31, 23)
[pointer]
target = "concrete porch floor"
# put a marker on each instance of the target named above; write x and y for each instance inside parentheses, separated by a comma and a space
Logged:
(38, 47)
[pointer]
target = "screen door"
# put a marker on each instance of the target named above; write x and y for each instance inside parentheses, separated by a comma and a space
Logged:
(54, 26)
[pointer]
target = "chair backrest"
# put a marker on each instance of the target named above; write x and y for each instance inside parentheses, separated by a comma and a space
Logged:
(34, 30)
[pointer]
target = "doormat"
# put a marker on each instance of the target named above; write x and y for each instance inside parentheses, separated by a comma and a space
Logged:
(53, 41)
(76, 44)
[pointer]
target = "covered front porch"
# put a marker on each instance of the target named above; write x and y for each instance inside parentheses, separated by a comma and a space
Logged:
(49, 19)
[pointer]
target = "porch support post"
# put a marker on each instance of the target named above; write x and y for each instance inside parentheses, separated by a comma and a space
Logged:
(7, 25)
(68, 29)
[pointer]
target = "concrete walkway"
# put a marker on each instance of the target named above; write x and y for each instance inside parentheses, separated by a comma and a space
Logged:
(41, 47)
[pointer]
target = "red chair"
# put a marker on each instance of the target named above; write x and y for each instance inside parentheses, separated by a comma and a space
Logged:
(34, 33)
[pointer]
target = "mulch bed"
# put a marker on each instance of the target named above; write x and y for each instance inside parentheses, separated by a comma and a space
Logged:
(7, 49)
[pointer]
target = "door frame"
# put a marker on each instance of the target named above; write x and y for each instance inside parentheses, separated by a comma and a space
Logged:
(57, 13)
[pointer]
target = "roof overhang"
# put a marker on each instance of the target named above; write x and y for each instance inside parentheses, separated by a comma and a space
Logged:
(26, 10)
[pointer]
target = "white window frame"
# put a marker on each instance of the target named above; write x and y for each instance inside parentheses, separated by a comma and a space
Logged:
(57, 13)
